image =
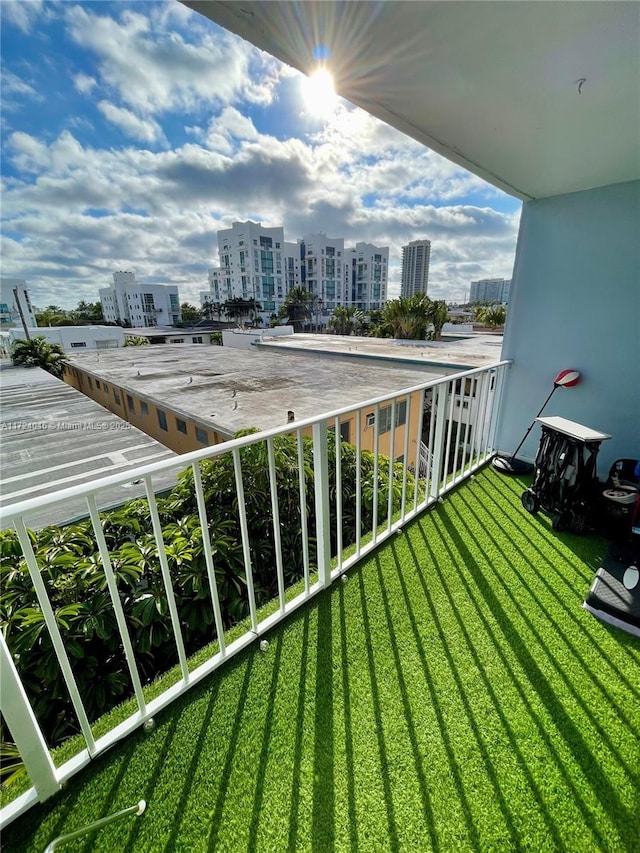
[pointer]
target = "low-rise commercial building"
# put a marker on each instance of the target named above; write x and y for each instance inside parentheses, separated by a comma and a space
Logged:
(210, 393)
(173, 336)
(72, 338)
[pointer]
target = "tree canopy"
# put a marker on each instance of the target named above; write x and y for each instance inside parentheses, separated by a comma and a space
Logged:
(190, 313)
(86, 314)
(409, 317)
(297, 307)
(491, 315)
(38, 353)
(239, 308)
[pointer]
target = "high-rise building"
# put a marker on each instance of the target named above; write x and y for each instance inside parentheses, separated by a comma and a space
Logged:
(350, 277)
(130, 303)
(257, 263)
(322, 268)
(490, 290)
(14, 300)
(367, 276)
(416, 257)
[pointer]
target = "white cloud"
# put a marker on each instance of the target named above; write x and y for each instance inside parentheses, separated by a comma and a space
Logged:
(146, 130)
(84, 83)
(30, 155)
(83, 211)
(14, 85)
(22, 13)
(154, 69)
(185, 195)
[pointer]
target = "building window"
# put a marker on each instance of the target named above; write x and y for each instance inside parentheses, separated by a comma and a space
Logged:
(177, 341)
(89, 380)
(144, 409)
(78, 344)
(181, 426)
(197, 339)
(385, 417)
(130, 403)
(98, 384)
(116, 396)
(202, 436)
(162, 420)
(344, 430)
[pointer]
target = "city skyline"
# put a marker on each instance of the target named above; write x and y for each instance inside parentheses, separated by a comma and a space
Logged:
(133, 132)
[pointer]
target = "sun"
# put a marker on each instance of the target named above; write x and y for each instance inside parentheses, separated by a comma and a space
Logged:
(319, 95)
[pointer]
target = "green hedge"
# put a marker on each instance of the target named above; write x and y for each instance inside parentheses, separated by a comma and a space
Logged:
(72, 571)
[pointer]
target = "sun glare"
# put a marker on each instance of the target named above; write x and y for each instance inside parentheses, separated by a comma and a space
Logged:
(318, 92)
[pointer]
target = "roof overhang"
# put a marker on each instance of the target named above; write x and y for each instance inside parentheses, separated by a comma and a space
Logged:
(538, 98)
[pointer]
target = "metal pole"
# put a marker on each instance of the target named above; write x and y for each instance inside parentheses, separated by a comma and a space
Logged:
(138, 809)
(533, 423)
(24, 324)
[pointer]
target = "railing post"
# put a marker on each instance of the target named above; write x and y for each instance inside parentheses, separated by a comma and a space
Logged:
(439, 412)
(321, 489)
(24, 728)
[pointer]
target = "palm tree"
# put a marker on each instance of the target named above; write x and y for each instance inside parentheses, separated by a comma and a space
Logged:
(408, 316)
(238, 308)
(491, 315)
(211, 308)
(52, 315)
(38, 353)
(297, 305)
(495, 316)
(378, 325)
(361, 320)
(438, 314)
(341, 322)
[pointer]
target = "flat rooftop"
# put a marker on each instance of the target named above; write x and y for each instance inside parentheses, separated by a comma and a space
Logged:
(53, 437)
(463, 351)
(230, 389)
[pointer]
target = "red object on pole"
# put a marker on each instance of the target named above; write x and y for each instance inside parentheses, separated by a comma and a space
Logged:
(567, 378)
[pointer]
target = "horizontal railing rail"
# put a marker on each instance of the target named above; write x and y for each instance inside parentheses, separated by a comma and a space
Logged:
(279, 514)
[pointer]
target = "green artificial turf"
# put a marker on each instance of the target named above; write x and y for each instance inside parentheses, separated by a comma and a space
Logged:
(452, 695)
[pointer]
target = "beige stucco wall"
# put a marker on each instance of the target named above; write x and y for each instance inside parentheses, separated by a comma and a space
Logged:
(130, 407)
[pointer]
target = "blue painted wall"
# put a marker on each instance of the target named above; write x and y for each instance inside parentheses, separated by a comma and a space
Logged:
(575, 303)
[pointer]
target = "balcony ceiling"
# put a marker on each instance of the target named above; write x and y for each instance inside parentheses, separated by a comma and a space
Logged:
(495, 87)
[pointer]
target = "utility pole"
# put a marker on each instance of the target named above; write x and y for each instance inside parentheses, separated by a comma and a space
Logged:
(24, 325)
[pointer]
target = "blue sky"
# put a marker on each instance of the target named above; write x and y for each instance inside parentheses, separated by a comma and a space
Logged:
(132, 132)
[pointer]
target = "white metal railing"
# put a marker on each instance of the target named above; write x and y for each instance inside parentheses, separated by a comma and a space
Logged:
(448, 432)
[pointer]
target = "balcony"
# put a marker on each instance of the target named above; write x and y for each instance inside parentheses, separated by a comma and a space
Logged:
(452, 693)
(433, 684)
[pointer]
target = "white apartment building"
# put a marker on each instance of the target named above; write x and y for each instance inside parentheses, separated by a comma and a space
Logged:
(128, 302)
(14, 297)
(352, 277)
(323, 270)
(254, 265)
(366, 276)
(490, 290)
(416, 257)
